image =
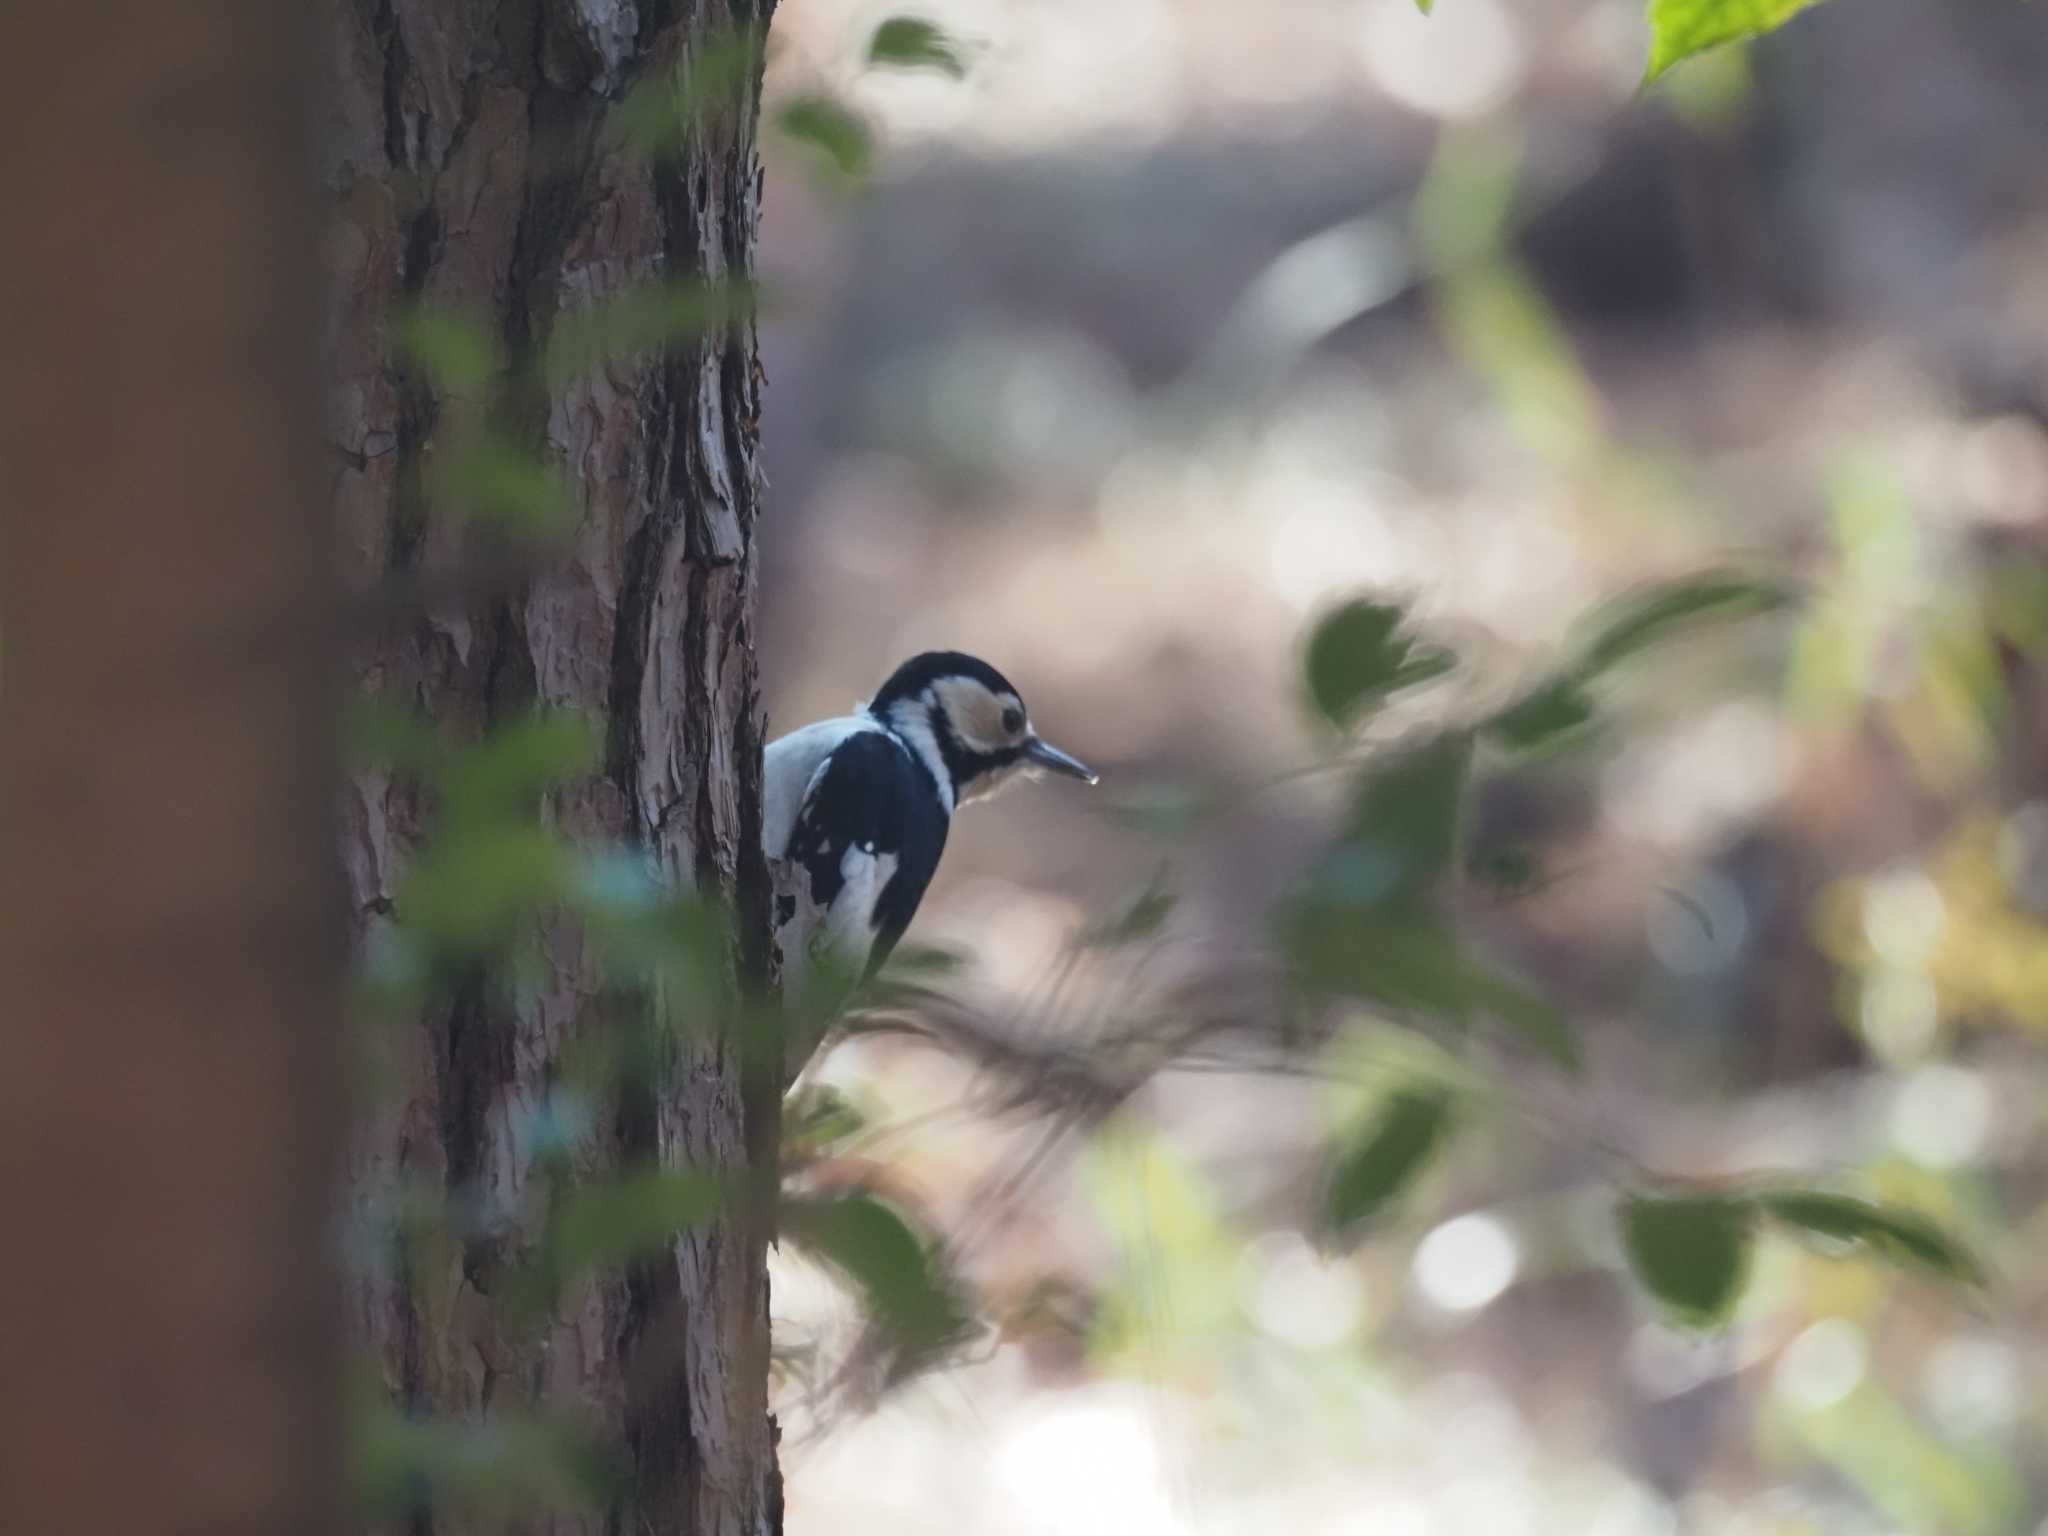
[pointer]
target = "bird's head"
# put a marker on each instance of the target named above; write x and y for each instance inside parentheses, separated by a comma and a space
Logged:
(973, 719)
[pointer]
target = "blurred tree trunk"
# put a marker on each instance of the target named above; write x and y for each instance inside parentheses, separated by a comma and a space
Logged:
(170, 957)
(475, 167)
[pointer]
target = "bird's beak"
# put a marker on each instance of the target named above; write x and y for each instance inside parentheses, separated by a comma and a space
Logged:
(1048, 756)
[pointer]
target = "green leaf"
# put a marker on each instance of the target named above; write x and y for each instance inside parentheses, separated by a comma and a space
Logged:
(650, 319)
(836, 133)
(467, 895)
(460, 356)
(1635, 622)
(1504, 328)
(1398, 959)
(1410, 960)
(512, 1465)
(907, 1289)
(660, 113)
(1691, 1252)
(1383, 1158)
(815, 1119)
(911, 42)
(1681, 28)
(1405, 811)
(632, 1216)
(503, 774)
(1902, 1237)
(1555, 709)
(499, 481)
(682, 941)
(1357, 657)
(381, 733)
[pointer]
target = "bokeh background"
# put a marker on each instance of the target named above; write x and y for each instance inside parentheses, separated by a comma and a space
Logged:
(1170, 323)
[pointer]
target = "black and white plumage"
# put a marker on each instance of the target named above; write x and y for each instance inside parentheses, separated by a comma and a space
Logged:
(856, 810)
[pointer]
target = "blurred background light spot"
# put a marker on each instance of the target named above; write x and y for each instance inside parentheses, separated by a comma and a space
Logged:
(1308, 290)
(1519, 573)
(1058, 71)
(1402, 1515)
(1608, 44)
(1665, 1363)
(2001, 468)
(1941, 1115)
(1626, 1508)
(1973, 1386)
(1324, 539)
(1899, 1013)
(1692, 782)
(1461, 61)
(1490, 1499)
(1087, 1463)
(1699, 929)
(1473, 1423)
(1296, 1295)
(1902, 916)
(1822, 1365)
(1467, 1262)
(1028, 403)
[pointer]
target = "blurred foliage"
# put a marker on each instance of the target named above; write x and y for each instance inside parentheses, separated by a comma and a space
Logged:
(492, 862)
(1901, 620)
(1370, 923)
(511, 1467)
(1901, 1236)
(901, 1273)
(1171, 1242)
(715, 78)
(1384, 1157)
(1921, 1480)
(652, 318)
(1692, 1250)
(637, 1215)
(719, 76)
(1356, 658)
(841, 142)
(1376, 931)
(911, 42)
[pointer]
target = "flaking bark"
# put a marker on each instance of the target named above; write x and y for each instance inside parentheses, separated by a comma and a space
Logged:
(473, 167)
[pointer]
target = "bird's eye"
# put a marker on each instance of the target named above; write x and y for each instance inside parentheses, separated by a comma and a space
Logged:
(1013, 720)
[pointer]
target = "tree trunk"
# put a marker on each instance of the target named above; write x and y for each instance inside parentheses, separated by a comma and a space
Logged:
(475, 168)
(170, 957)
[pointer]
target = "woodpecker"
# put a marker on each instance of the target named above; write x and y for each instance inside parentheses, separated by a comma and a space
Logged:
(855, 810)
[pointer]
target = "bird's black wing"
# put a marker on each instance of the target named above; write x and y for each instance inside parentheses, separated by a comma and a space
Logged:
(873, 797)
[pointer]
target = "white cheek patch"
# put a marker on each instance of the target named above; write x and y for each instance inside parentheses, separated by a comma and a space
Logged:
(976, 714)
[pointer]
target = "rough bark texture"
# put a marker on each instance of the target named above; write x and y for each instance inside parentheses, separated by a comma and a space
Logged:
(473, 168)
(170, 957)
